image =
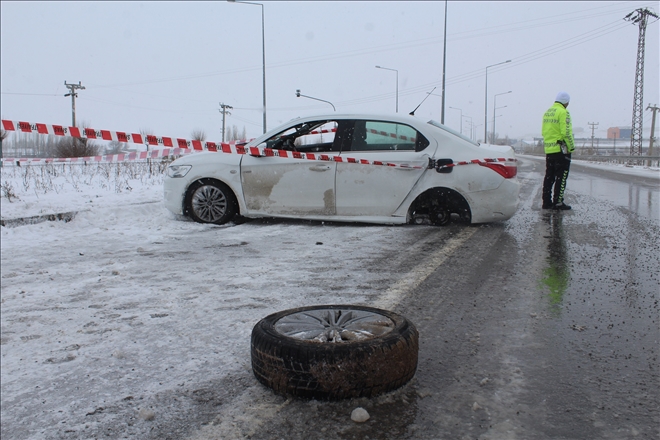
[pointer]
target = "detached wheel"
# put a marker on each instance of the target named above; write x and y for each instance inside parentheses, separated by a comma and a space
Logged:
(210, 201)
(334, 351)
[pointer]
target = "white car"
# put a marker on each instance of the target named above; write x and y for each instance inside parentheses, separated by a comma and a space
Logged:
(351, 168)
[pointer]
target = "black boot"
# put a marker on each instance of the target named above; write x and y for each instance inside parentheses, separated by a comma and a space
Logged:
(561, 207)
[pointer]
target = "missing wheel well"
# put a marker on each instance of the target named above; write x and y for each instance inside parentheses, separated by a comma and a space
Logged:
(435, 203)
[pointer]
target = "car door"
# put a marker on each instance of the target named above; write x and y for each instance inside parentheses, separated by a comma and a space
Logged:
(289, 186)
(378, 190)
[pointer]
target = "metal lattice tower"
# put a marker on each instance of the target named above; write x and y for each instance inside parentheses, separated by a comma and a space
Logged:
(640, 18)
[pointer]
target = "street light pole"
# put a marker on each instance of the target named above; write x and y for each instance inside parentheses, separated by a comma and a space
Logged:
(263, 46)
(397, 84)
(486, 100)
(461, 110)
(492, 137)
(470, 117)
(298, 94)
(444, 64)
(494, 105)
(475, 131)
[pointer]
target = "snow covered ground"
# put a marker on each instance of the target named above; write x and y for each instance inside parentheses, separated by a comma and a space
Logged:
(126, 300)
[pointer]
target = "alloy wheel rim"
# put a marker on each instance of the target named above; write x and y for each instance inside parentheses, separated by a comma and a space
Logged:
(334, 325)
(209, 203)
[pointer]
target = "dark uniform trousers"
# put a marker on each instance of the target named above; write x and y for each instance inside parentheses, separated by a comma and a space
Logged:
(556, 173)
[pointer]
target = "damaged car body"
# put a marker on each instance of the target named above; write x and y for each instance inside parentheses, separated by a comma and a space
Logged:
(353, 168)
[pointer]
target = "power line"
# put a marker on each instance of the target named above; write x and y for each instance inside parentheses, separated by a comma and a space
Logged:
(382, 48)
(30, 94)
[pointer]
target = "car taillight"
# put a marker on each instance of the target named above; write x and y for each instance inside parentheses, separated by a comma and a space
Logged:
(507, 171)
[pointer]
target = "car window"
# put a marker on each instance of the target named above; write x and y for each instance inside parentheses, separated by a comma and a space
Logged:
(316, 136)
(390, 136)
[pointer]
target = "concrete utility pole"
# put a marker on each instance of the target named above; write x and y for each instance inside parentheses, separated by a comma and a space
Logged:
(72, 92)
(444, 68)
(224, 112)
(593, 127)
(654, 109)
(640, 18)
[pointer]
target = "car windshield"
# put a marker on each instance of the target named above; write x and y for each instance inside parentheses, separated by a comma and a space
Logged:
(455, 133)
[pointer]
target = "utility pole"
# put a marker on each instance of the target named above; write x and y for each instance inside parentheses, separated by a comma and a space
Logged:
(593, 127)
(444, 64)
(72, 92)
(224, 112)
(654, 109)
(640, 18)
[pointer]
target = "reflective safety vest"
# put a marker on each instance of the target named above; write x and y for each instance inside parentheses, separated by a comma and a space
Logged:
(557, 127)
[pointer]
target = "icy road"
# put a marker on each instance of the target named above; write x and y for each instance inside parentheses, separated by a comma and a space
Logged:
(127, 322)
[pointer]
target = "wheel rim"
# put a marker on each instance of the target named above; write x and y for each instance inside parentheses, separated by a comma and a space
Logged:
(209, 203)
(334, 325)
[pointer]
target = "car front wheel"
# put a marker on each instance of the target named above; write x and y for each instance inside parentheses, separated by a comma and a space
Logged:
(210, 202)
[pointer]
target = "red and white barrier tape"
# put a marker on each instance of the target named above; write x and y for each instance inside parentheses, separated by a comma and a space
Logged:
(183, 146)
(122, 157)
(107, 135)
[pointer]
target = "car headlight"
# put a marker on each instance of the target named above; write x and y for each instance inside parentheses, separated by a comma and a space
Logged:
(178, 170)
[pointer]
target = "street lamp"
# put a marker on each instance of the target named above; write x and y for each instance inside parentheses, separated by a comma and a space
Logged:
(298, 94)
(475, 131)
(494, 104)
(469, 117)
(397, 84)
(493, 139)
(263, 45)
(461, 110)
(486, 99)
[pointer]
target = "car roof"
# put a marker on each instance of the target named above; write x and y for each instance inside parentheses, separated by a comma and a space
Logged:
(394, 117)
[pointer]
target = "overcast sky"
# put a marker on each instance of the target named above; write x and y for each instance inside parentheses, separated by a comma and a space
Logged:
(166, 66)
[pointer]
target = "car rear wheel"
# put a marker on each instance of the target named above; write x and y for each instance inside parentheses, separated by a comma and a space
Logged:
(210, 202)
(334, 351)
(440, 217)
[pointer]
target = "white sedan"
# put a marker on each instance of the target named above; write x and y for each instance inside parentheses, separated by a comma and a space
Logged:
(354, 168)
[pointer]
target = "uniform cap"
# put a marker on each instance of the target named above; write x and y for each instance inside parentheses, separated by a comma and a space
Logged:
(563, 97)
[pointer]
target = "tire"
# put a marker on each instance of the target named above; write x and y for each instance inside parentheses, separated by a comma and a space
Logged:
(210, 201)
(334, 351)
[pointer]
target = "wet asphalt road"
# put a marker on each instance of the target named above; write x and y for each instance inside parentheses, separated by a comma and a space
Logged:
(543, 327)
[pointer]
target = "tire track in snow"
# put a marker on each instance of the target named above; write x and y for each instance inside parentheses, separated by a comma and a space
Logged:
(393, 296)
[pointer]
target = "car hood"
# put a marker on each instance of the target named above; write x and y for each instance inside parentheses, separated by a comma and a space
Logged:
(207, 157)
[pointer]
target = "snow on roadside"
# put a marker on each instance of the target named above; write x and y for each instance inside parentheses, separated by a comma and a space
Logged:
(636, 170)
(128, 300)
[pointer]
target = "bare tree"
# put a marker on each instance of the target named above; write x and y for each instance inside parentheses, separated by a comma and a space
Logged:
(75, 147)
(198, 135)
(116, 147)
(234, 135)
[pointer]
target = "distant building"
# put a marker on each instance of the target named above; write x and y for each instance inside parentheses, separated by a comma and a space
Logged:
(619, 133)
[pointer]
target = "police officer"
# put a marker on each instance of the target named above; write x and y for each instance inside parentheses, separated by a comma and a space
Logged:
(558, 145)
